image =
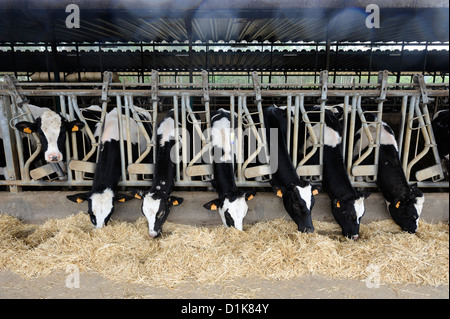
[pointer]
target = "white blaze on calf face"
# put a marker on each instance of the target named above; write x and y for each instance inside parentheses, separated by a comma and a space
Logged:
(359, 208)
(150, 208)
(237, 210)
(102, 204)
(306, 195)
(51, 127)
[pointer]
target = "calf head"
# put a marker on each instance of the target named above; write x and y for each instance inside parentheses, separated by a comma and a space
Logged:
(348, 213)
(51, 129)
(406, 209)
(298, 200)
(100, 204)
(156, 208)
(232, 207)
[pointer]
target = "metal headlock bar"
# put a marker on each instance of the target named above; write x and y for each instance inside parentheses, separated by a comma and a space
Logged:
(193, 151)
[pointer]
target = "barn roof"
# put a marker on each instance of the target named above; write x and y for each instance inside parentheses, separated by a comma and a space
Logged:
(216, 20)
(177, 22)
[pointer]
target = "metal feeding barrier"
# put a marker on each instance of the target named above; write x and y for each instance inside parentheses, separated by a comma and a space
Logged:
(193, 103)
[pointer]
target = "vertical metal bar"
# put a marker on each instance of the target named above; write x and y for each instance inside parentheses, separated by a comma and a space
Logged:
(9, 145)
(121, 139)
(186, 146)
(128, 102)
(351, 137)
(177, 140)
(402, 125)
(155, 83)
(344, 126)
(240, 148)
(299, 100)
(233, 130)
(407, 140)
(289, 120)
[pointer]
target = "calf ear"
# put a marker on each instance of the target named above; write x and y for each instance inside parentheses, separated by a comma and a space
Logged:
(120, 197)
(175, 201)
(78, 198)
(75, 126)
(316, 189)
(337, 203)
(26, 127)
(136, 193)
(212, 205)
(249, 195)
(278, 191)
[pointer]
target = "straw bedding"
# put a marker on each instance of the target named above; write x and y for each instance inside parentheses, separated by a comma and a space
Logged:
(124, 252)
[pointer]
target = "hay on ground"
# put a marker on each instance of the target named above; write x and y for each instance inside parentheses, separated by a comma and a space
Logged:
(124, 252)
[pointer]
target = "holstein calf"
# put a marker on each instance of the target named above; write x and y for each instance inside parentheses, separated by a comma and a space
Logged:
(404, 202)
(347, 205)
(441, 134)
(51, 128)
(297, 195)
(158, 201)
(107, 172)
(232, 202)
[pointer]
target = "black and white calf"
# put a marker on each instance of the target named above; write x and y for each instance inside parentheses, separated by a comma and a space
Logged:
(158, 201)
(298, 195)
(51, 128)
(404, 202)
(347, 205)
(232, 201)
(441, 134)
(108, 169)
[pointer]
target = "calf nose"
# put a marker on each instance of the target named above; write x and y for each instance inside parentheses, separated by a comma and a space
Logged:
(53, 157)
(355, 237)
(154, 234)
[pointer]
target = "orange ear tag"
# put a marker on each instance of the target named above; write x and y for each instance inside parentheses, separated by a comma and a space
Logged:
(213, 207)
(27, 130)
(79, 200)
(397, 205)
(75, 128)
(315, 192)
(250, 197)
(338, 205)
(137, 196)
(175, 203)
(279, 193)
(122, 200)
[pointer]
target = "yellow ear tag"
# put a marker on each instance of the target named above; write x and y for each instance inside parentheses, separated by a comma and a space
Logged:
(338, 205)
(175, 203)
(250, 197)
(122, 200)
(397, 205)
(279, 193)
(27, 130)
(79, 200)
(75, 128)
(315, 192)
(137, 196)
(213, 207)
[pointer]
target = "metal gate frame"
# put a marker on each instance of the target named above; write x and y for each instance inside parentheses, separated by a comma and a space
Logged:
(416, 94)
